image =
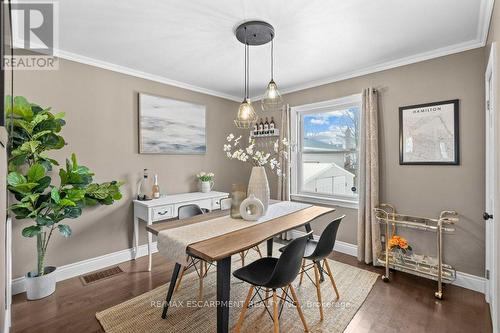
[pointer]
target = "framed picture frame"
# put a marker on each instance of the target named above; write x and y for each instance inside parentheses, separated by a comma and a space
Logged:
(429, 134)
(170, 126)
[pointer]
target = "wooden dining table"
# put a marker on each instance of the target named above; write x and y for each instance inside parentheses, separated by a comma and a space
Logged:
(220, 249)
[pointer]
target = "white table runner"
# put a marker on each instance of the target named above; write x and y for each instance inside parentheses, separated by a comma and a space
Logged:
(172, 243)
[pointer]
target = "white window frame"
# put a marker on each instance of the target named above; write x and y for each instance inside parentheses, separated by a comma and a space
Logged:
(296, 134)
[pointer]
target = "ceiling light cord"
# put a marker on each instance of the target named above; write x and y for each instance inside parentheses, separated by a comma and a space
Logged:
(248, 71)
(272, 58)
(245, 94)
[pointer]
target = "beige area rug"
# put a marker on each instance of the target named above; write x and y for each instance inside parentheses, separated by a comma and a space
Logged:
(188, 314)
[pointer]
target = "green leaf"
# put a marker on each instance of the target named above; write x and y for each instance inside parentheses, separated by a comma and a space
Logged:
(75, 194)
(43, 183)
(15, 179)
(22, 108)
(73, 160)
(64, 229)
(30, 146)
(72, 212)
(44, 221)
(23, 188)
(66, 202)
(36, 172)
(38, 119)
(54, 194)
(40, 134)
(59, 115)
(31, 231)
(16, 161)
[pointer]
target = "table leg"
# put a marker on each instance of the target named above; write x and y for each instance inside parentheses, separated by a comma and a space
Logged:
(223, 292)
(173, 282)
(150, 250)
(270, 247)
(136, 236)
(308, 230)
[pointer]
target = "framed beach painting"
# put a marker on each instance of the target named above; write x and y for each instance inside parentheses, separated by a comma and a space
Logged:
(169, 126)
(428, 134)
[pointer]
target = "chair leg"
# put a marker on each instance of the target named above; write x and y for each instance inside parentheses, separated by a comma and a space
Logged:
(180, 279)
(331, 278)
(200, 295)
(267, 295)
(318, 291)
(242, 255)
(258, 251)
(276, 313)
(299, 309)
(302, 271)
(244, 310)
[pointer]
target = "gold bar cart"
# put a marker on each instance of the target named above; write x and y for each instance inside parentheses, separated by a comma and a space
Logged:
(425, 266)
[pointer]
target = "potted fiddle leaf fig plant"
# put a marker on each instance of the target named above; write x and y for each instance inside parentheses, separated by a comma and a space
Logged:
(33, 131)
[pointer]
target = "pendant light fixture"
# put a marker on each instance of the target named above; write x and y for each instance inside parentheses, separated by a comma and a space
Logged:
(250, 33)
(272, 100)
(246, 115)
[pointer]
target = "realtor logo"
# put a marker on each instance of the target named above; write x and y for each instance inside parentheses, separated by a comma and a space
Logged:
(34, 34)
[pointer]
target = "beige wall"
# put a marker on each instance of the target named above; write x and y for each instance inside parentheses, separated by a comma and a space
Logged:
(102, 129)
(426, 190)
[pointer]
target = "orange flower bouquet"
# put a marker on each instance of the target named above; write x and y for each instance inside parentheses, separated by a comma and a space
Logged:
(399, 243)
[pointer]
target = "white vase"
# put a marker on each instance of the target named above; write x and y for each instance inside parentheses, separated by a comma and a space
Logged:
(251, 208)
(259, 186)
(206, 186)
(41, 286)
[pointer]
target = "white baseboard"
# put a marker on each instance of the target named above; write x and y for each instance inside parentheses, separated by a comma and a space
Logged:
(89, 265)
(463, 280)
(342, 247)
(469, 281)
(6, 323)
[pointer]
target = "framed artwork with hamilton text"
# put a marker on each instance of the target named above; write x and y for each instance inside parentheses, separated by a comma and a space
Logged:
(429, 134)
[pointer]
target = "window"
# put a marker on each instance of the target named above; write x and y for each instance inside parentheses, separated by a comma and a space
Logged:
(325, 155)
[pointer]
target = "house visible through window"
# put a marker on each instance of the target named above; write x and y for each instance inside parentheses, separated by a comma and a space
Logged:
(325, 161)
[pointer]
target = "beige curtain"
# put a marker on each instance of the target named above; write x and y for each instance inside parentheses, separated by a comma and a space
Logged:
(284, 180)
(368, 230)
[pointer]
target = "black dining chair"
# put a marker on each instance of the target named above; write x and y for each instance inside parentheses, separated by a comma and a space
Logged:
(317, 252)
(274, 273)
(200, 266)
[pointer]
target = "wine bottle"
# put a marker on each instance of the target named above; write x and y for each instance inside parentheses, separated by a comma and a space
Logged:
(266, 125)
(261, 125)
(272, 125)
(156, 188)
(140, 186)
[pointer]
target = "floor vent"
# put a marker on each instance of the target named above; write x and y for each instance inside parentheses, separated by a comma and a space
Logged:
(100, 275)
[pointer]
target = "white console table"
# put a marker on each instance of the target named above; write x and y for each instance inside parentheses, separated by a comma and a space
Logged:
(167, 208)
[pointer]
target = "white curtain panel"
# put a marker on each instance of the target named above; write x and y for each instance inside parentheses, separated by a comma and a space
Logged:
(284, 180)
(368, 230)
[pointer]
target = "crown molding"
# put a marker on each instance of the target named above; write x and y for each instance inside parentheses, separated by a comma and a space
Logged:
(485, 13)
(140, 74)
(441, 52)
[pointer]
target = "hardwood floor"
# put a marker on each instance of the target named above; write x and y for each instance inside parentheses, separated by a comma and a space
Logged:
(405, 304)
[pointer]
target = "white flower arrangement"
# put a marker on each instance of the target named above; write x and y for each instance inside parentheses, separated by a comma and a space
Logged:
(205, 176)
(235, 151)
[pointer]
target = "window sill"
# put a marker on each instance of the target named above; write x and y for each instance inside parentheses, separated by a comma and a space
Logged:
(324, 201)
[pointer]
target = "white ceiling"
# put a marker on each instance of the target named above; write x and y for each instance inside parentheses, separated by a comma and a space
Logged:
(192, 44)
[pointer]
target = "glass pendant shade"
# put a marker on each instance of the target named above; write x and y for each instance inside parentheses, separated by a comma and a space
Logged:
(246, 115)
(272, 100)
